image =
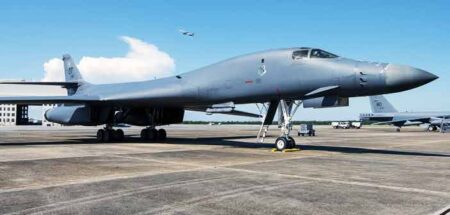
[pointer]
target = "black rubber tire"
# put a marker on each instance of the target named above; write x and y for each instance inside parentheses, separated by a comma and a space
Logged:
(162, 134)
(107, 136)
(152, 134)
(281, 143)
(100, 135)
(144, 134)
(119, 135)
(291, 143)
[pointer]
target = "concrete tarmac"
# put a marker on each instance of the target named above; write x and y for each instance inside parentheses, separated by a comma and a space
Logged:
(221, 170)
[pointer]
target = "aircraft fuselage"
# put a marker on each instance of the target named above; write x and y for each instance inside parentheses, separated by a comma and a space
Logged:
(265, 76)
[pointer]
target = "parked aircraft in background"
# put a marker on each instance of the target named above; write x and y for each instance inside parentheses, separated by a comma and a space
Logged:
(278, 77)
(384, 113)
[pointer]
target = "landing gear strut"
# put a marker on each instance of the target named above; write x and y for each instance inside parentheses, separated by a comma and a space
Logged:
(287, 110)
(152, 134)
(108, 134)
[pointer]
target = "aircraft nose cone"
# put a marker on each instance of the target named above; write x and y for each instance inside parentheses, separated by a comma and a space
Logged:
(400, 78)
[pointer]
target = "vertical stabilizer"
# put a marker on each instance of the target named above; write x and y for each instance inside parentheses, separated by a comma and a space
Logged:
(380, 104)
(72, 74)
(71, 71)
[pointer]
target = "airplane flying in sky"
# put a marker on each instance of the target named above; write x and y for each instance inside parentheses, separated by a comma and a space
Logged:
(187, 33)
(280, 77)
(384, 113)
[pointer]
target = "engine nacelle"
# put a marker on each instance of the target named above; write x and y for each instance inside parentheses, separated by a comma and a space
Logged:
(325, 102)
(69, 115)
(91, 115)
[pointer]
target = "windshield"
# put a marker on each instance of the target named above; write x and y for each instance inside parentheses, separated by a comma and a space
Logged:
(318, 53)
(300, 54)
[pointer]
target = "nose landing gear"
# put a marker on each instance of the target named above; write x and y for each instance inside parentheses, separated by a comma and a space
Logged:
(287, 111)
(283, 143)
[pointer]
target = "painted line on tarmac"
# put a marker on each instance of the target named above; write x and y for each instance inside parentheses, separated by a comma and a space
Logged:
(418, 144)
(227, 165)
(101, 179)
(53, 207)
(183, 205)
(97, 155)
(197, 167)
(443, 211)
(355, 183)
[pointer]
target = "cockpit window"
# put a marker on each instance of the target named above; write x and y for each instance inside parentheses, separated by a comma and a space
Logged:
(318, 53)
(300, 54)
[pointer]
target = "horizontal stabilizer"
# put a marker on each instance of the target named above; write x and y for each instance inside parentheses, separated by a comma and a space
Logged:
(62, 84)
(389, 122)
(38, 100)
(412, 121)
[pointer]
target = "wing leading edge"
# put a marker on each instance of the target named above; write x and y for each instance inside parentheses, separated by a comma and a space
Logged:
(37, 100)
(403, 121)
(62, 84)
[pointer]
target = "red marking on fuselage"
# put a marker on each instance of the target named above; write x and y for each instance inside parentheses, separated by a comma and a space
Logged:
(249, 82)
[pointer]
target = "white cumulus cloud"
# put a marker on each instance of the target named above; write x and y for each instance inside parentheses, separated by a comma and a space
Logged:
(143, 61)
(54, 70)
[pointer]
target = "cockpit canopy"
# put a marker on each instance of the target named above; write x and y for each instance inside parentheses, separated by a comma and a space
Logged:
(303, 53)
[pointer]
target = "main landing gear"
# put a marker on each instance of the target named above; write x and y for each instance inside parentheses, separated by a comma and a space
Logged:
(152, 134)
(108, 135)
(432, 128)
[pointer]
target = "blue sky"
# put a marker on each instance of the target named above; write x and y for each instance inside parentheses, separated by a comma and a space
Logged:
(415, 33)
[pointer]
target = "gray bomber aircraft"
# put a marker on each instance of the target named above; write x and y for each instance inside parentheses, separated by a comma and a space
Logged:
(276, 78)
(384, 113)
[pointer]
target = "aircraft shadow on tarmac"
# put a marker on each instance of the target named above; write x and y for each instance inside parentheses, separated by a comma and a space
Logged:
(231, 142)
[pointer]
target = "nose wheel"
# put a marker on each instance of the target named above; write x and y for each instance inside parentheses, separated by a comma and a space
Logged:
(283, 143)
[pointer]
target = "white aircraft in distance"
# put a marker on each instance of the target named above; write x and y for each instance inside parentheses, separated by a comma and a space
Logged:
(186, 33)
(384, 113)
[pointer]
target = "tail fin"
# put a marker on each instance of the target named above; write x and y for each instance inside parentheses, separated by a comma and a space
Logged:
(71, 71)
(380, 104)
